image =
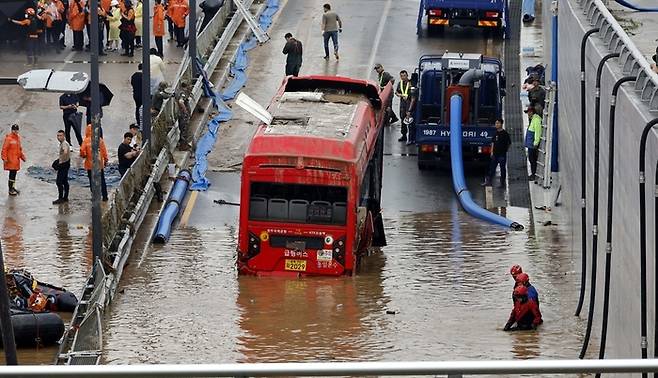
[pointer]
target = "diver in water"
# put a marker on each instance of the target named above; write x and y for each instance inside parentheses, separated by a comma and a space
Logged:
(525, 313)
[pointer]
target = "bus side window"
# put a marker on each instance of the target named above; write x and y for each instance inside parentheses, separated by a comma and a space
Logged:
(258, 208)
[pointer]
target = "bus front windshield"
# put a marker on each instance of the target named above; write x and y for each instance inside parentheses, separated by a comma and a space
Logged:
(297, 203)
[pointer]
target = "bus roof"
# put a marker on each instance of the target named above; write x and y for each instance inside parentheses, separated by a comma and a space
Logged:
(317, 117)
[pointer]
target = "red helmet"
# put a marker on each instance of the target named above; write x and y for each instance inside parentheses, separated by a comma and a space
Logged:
(515, 269)
(522, 278)
(30, 11)
(521, 291)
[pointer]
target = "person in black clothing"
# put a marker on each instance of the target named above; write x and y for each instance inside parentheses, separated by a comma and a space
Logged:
(136, 83)
(210, 9)
(293, 50)
(31, 24)
(501, 142)
(383, 78)
(127, 154)
(69, 105)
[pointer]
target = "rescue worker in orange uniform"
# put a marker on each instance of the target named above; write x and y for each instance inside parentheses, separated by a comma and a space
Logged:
(85, 152)
(514, 271)
(178, 10)
(158, 25)
(525, 313)
(12, 154)
(77, 20)
(30, 22)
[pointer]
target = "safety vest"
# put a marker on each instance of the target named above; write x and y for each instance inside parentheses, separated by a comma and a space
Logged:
(403, 90)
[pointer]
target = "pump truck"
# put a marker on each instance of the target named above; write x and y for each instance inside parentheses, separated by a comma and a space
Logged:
(490, 15)
(480, 80)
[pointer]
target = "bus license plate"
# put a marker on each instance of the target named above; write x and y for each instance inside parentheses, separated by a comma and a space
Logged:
(296, 265)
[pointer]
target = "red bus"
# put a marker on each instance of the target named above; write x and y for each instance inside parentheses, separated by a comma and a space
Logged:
(312, 179)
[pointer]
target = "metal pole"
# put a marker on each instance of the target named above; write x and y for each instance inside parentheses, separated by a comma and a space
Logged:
(97, 231)
(5, 318)
(583, 171)
(192, 38)
(146, 71)
(608, 241)
(403, 368)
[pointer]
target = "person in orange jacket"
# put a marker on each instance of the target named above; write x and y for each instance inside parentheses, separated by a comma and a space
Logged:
(158, 25)
(178, 11)
(77, 20)
(86, 153)
(12, 154)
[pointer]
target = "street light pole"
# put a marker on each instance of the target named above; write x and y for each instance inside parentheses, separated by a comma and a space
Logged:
(5, 318)
(97, 232)
(192, 38)
(146, 71)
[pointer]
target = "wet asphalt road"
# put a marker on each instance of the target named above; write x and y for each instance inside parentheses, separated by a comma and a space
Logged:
(444, 275)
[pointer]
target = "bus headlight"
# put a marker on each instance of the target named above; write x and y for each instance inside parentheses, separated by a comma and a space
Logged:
(254, 244)
(338, 249)
(328, 240)
(264, 236)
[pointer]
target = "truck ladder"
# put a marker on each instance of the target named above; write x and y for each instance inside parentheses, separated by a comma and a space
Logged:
(546, 142)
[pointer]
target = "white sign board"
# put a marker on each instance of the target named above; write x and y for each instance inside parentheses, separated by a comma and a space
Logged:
(54, 81)
(459, 64)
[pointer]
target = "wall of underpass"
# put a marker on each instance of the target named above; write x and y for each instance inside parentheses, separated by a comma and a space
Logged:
(631, 116)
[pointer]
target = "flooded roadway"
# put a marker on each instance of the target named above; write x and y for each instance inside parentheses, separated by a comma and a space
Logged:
(440, 289)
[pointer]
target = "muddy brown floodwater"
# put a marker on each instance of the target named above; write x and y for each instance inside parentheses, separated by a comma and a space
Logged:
(440, 290)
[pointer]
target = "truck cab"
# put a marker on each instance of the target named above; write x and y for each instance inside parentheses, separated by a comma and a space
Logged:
(437, 78)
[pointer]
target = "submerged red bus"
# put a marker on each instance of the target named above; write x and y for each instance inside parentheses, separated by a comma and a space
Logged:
(312, 178)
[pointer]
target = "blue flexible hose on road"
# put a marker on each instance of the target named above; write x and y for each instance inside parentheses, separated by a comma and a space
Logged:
(457, 165)
(634, 7)
(172, 208)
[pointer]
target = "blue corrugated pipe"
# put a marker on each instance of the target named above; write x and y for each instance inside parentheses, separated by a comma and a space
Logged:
(457, 164)
(172, 208)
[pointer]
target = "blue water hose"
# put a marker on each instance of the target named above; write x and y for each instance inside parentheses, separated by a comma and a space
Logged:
(634, 7)
(172, 207)
(528, 10)
(457, 164)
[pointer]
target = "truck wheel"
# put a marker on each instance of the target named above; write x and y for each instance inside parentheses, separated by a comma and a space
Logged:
(423, 166)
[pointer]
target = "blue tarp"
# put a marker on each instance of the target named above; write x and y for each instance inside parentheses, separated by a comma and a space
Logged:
(238, 71)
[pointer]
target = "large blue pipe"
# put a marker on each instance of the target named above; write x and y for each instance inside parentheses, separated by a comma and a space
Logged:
(555, 166)
(172, 207)
(528, 10)
(457, 164)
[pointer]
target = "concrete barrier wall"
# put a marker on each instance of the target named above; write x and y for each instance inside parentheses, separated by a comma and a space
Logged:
(632, 115)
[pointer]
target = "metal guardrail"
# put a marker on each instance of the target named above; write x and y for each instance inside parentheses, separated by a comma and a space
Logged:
(82, 342)
(452, 368)
(632, 60)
